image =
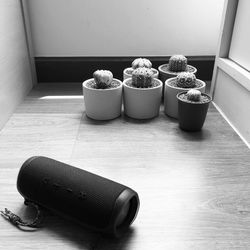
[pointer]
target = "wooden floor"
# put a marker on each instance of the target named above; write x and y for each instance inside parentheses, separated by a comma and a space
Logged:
(194, 187)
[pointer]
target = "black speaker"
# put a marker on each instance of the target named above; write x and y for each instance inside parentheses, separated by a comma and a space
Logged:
(86, 198)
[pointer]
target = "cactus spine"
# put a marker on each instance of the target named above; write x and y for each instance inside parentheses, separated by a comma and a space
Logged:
(186, 80)
(178, 63)
(194, 95)
(142, 78)
(141, 62)
(103, 78)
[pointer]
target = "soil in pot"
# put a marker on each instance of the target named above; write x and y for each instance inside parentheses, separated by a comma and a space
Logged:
(165, 69)
(92, 84)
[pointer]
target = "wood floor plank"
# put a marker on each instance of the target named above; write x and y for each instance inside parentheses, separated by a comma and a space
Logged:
(35, 134)
(194, 188)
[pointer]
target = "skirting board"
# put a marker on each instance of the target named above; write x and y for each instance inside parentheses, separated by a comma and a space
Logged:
(78, 69)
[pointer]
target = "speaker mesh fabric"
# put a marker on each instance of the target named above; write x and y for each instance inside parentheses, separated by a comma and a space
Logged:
(69, 191)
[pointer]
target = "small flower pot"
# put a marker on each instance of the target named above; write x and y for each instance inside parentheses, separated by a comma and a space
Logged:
(142, 103)
(165, 73)
(102, 104)
(127, 73)
(192, 115)
(170, 93)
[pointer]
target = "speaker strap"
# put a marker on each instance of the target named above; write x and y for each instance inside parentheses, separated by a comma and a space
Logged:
(18, 222)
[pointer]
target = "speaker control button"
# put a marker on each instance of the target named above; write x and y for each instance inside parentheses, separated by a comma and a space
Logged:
(82, 196)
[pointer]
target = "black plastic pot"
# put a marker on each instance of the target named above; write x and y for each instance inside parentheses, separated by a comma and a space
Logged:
(192, 115)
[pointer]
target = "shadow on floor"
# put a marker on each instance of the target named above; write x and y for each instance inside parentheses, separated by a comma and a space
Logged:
(74, 234)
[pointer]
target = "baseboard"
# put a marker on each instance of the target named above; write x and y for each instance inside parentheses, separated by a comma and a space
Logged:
(77, 69)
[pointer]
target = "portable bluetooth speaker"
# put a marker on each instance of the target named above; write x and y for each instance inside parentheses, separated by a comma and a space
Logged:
(86, 198)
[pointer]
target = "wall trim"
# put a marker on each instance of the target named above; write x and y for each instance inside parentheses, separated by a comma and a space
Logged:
(77, 69)
(238, 73)
(231, 124)
(27, 28)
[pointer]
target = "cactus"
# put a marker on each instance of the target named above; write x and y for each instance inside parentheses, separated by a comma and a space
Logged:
(141, 62)
(142, 78)
(103, 78)
(194, 95)
(178, 63)
(186, 80)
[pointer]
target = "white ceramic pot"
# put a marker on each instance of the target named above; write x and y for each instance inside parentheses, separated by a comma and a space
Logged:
(127, 73)
(102, 104)
(165, 74)
(170, 99)
(142, 103)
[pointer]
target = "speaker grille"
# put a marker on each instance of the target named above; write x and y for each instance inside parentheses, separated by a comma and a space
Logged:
(69, 191)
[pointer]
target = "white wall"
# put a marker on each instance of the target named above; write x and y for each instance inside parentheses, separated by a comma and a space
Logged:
(15, 71)
(234, 102)
(240, 49)
(125, 28)
(231, 82)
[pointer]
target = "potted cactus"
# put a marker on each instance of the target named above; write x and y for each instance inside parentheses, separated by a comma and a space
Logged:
(142, 94)
(139, 63)
(102, 96)
(176, 65)
(192, 109)
(173, 86)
